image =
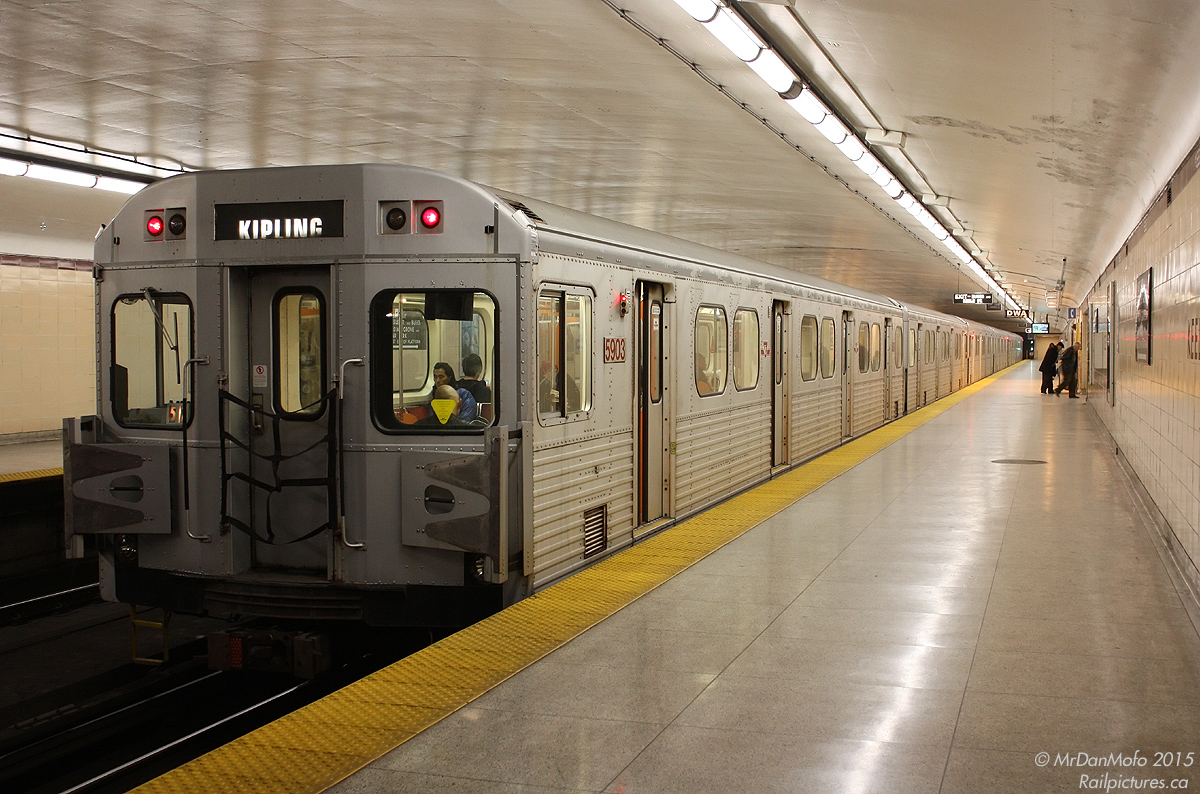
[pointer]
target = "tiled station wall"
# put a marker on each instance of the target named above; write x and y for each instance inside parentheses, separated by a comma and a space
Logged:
(47, 343)
(1156, 416)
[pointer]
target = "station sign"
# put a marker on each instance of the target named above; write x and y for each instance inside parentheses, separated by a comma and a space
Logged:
(972, 297)
(1020, 313)
(279, 220)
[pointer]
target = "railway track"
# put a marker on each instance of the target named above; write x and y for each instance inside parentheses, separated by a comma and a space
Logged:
(112, 733)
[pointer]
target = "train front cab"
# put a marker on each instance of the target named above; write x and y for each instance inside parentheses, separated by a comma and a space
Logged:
(239, 463)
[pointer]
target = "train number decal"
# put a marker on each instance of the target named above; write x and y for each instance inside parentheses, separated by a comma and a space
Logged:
(614, 350)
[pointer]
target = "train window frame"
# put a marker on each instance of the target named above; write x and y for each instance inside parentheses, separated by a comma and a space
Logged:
(864, 346)
(562, 414)
(723, 373)
(383, 335)
(161, 334)
(828, 347)
(303, 414)
(749, 353)
(876, 347)
(809, 348)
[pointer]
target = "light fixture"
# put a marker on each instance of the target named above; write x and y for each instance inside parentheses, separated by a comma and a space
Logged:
(61, 175)
(115, 185)
(739, 38)
(12, 167)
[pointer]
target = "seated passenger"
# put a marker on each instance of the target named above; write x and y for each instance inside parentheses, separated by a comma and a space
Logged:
(444, 392)
(472, 370)
(443, 375)
(703, 384)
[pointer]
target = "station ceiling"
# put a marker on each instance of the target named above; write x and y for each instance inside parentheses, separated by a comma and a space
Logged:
(1037, 131)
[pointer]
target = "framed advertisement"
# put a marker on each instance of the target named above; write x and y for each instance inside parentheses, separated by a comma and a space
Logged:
(1142, 310)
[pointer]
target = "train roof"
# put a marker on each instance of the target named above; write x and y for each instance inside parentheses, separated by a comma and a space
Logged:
(356, 185)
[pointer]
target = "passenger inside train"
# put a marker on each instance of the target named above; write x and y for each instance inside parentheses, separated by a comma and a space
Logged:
(445, 408)
(472, 382)
(443, 375)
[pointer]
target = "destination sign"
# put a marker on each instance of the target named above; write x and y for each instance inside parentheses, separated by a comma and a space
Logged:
(972, 297)
(279, 220)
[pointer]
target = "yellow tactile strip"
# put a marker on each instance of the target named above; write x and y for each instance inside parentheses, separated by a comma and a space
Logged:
(37, 474)
(327, 741)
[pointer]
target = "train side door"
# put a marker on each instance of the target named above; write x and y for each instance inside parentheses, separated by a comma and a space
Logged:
(780, 387)
(652, 415)
(887, 369)
(290, 415)
(848, 353)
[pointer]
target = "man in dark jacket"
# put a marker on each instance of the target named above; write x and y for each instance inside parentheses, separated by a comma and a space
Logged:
(1070, 370)
(1048, 368)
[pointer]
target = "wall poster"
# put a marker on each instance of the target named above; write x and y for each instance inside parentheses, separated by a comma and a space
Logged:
(1142, 330)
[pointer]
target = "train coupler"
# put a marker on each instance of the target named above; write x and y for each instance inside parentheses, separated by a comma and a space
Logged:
(301, 654)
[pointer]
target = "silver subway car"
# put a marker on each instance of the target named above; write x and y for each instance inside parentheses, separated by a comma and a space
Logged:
(385, 395)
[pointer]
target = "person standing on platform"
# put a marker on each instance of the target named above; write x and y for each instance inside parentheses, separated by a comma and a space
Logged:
(1070, 371)
(1048, 368)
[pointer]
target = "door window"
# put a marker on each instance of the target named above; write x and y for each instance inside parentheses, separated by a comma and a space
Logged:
(299, 354)
(864, 347)
(876, 347)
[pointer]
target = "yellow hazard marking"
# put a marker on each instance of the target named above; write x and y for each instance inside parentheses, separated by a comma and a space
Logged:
(321, 744)
(443, 408)
(36, 474)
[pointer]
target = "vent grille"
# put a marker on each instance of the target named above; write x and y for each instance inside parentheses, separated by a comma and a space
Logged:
(533, 216)
(595, 531)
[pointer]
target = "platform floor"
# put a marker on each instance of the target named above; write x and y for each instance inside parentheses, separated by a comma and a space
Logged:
(30, 458)
(983, 589)
(927, 622)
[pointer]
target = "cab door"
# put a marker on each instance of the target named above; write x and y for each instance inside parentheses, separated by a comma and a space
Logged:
(292, 447)
(652, 414)
(780, 386)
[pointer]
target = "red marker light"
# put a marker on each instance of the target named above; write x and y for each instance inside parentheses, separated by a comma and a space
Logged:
(430, 217)
(154, 226)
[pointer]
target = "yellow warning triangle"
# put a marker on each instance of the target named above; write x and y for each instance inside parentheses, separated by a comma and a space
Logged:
(443, 408)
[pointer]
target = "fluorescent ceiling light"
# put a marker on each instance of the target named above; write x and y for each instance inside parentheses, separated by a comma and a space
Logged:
(807, 105)
(833, 129)
(61, 175)
(870, 166)
(702, 10)
(12, 167)
(774, 72)
(734, 34)
(852, 148)
(126, 186)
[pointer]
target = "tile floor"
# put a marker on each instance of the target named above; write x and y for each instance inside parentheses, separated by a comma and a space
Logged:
(928, 622)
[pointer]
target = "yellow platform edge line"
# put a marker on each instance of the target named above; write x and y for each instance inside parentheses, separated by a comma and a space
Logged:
(36, 474)
(325, 742)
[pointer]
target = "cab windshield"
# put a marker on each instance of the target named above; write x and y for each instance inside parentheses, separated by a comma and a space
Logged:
(434, 361)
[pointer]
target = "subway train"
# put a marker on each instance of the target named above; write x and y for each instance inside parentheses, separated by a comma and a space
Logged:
(388, 396)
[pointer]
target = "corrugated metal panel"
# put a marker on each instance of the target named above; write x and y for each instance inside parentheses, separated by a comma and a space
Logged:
(867, 406)
(719, 453)
(816, 422)
(569, 480)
